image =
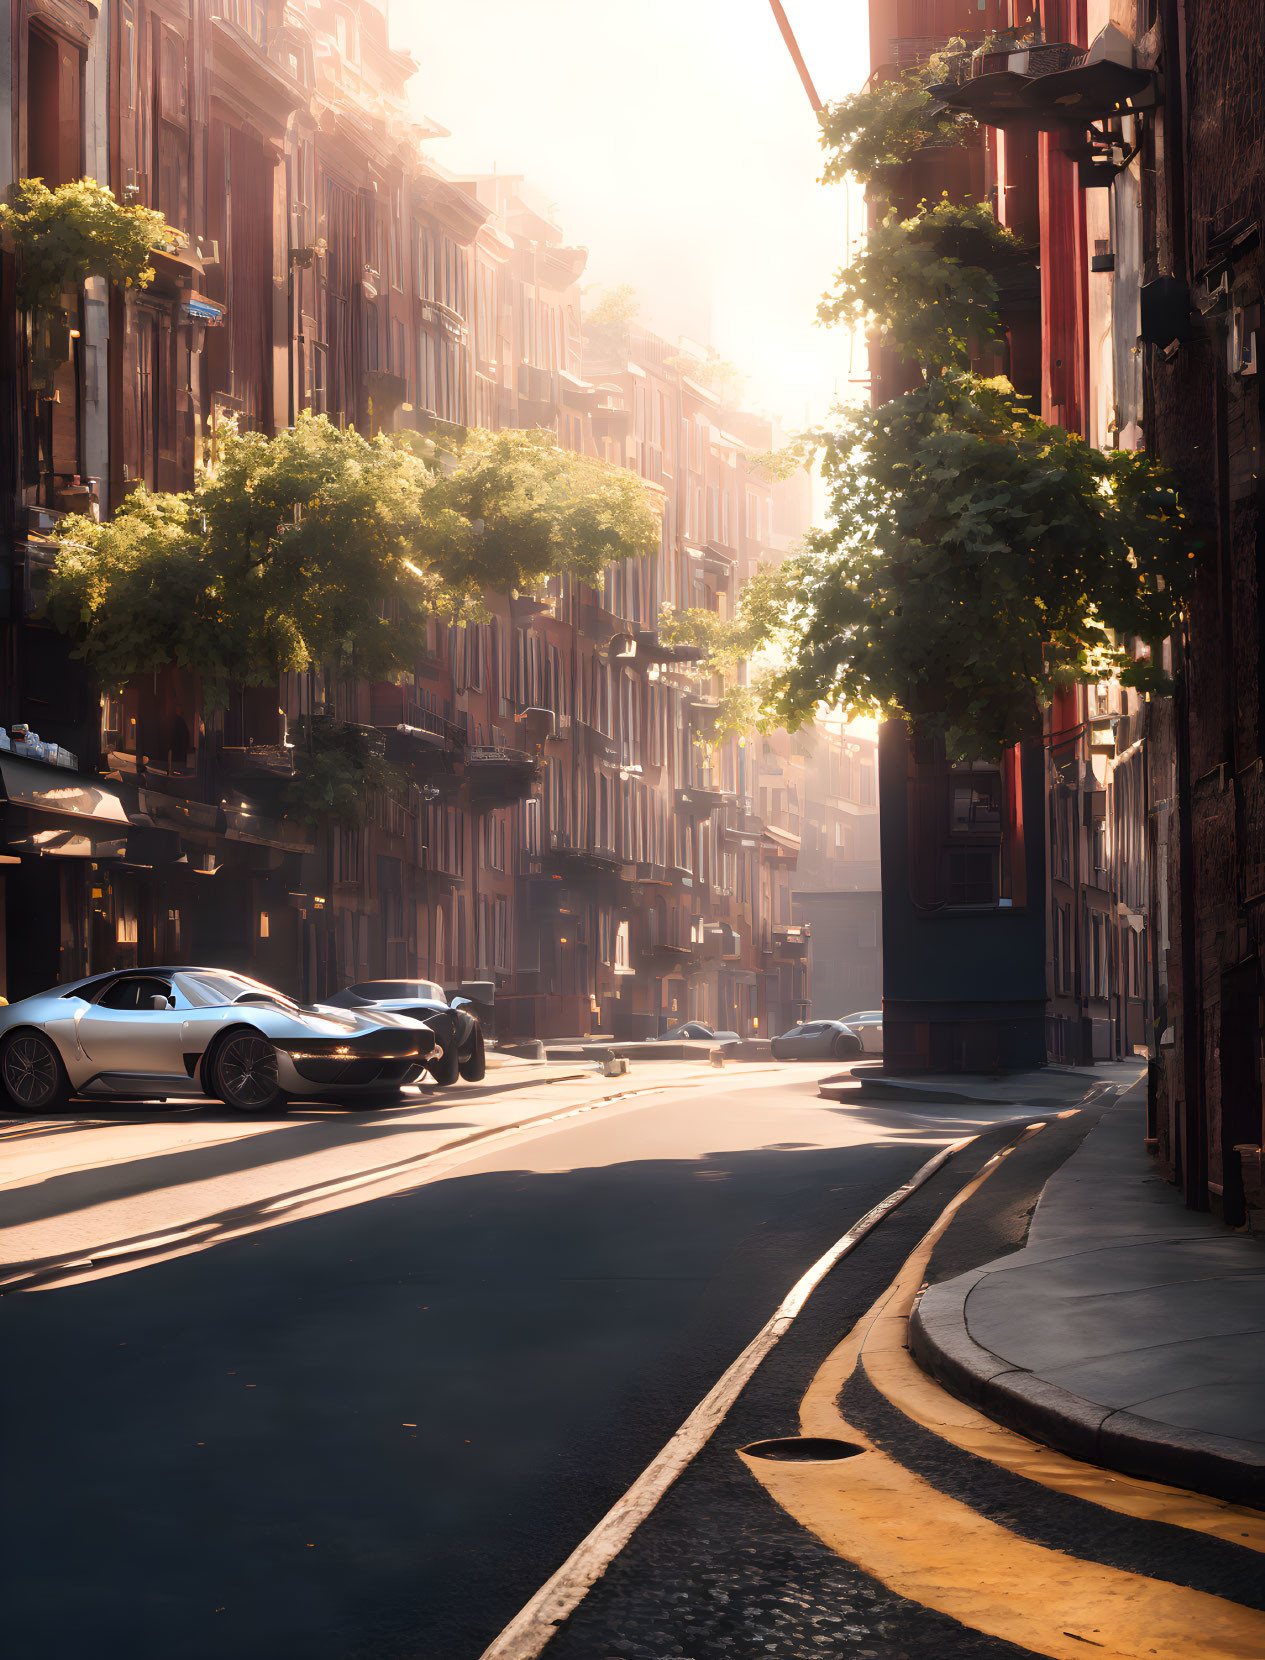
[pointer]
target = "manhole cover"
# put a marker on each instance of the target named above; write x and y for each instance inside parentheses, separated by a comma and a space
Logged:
(803, 1449)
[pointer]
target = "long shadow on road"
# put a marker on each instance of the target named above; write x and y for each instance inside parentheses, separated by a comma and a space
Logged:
(376, 1432)
(59, 1195)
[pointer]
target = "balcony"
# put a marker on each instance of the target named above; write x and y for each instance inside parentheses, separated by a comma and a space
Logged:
(496, 775)
(597, 623)
(701, 800)
(720, 943)
(257, 761)
(574, 861)
(641, 648)
(527, 607)
(790, 939)
(1050, 87)
(657, 958)
(611, 421)
(422, 741)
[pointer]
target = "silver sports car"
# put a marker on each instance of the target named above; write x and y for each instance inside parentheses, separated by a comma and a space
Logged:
(168, 1032)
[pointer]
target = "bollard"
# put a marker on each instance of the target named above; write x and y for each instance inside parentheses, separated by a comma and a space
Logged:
(716, 1057)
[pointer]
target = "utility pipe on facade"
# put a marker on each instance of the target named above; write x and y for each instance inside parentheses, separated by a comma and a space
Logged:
(797, 57)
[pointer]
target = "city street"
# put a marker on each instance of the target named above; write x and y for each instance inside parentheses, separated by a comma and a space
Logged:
(377, 1424)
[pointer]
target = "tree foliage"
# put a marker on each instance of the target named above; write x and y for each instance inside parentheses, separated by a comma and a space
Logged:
(517, 509)
(616, 306)
(727, 641)
(336, 768)
(884, 125)
(977, 558)
(715, 373)
(927, 283)
(743, 700)
(320, 546)
(76, 231)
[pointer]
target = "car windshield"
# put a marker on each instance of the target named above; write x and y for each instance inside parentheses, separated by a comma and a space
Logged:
(209, 987)
(390, 990)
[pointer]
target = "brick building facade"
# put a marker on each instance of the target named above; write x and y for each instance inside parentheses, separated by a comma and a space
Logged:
(1142, 183)
(564, 840)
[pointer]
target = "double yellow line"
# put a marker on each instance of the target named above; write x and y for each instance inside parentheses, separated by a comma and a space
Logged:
(938, 1552)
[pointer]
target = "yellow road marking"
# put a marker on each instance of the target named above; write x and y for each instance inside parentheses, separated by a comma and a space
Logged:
(878, 1340)
(894, 1373)
(940, 1553)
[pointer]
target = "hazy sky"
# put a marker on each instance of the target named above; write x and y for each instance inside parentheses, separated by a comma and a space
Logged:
(674, 140)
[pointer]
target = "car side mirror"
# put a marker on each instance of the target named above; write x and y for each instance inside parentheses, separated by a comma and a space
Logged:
(157, 1002)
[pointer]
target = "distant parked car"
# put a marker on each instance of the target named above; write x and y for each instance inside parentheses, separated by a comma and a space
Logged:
(693, 1031)
(171, 1032)
(868, 1026)
(817, 1040)
(454, 1022)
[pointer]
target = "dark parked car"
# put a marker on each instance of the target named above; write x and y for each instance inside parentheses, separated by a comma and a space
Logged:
(818, 1040)
(693, 1031)
(454, 1022)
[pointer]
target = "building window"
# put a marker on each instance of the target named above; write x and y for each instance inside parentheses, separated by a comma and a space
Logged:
(972, 876)
(1063, 948)
(1098, 835)
(975, 804)
(1097, 955)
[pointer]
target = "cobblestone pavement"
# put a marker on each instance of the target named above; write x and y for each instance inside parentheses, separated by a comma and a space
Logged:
(720, 1572)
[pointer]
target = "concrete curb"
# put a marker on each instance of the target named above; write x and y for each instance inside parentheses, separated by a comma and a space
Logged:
(879, 1089)
(941, 1344)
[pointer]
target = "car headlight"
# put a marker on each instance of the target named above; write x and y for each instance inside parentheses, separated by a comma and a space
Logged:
(345, 1054)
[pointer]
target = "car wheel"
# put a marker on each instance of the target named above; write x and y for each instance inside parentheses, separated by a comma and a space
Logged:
(845, 1046)
(474, 1067)
(32, 1072)
(445, 1067)
(244, 1074)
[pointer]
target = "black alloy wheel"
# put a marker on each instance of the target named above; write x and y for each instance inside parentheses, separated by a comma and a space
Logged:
(475, 1066)
(244, 1074)
(34, 1078)
(845, 1046)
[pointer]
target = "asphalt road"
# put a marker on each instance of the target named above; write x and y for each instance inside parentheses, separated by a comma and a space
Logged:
(376, 1431)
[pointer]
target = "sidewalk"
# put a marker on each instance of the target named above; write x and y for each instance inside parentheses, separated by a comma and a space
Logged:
(1040, 1089)
(1129, 1330)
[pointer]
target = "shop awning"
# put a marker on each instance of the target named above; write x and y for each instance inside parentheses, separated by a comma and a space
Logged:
(53, 790)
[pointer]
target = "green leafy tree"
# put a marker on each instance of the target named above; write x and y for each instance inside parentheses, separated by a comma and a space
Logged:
(928, 283)
(323, 547)
(515, 509)
(76, 231)
(744, 701)
(727, 641)
(615, 307)
(884, 125)
(976, 559)
(337, 767)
